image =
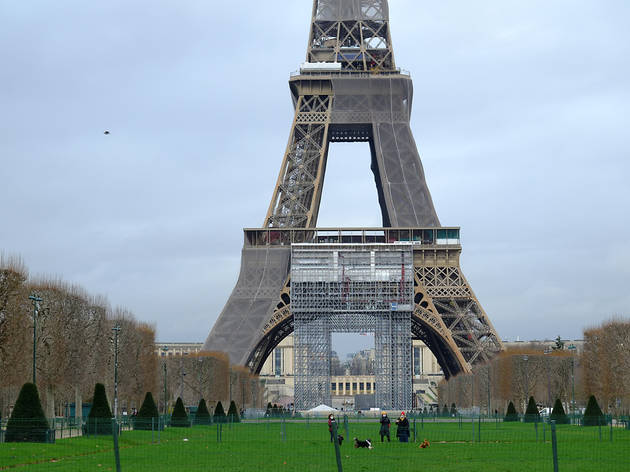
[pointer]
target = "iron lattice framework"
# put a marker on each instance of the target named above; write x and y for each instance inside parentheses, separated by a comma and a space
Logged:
(352, 289)
(350, 90)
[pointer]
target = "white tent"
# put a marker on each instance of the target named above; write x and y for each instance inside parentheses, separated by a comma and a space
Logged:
(322, 409)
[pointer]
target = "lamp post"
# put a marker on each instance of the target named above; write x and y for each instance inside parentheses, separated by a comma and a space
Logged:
(548, 351)
(488, 390)
(572, 348)
(243, 394)
(231, 375)
(116, 330)
(36, 301)
(181, 393)
(164, 353)
(526, 358)
(200, 360)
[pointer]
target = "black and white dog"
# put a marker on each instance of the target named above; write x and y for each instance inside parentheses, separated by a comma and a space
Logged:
(339, 439)
(360, 443)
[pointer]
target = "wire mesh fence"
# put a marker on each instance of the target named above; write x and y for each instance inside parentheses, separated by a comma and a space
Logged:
(304, 444)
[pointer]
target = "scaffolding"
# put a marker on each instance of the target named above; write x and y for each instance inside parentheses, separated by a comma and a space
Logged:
(354, 288)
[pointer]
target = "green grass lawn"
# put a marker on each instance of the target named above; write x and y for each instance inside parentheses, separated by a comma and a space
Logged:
(306, 447)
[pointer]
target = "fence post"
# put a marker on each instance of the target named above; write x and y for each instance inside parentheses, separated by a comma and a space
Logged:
(337, 451)
(554, 445)
(345, 424)
(116, 451)
(479, 438)
(611, 431)
(536, 428)
(414, 429)
(544, 432)
(284, 429)
(472, 422)
(599, 425)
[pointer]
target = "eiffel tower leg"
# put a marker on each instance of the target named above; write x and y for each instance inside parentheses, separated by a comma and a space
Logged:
(445, 301)
(382, 105)
(258, 296)
(296, 198)
(264, 271)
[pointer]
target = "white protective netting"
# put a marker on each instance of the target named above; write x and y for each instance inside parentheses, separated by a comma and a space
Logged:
(385, 103)
(252, 302)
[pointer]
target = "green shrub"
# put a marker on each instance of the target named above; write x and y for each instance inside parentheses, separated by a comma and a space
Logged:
(531, 414)
(233, 413)
(179, 418)
(558, 414)
(268, 411)
(219, 414)
(511, 414)
(453, 410)
(27, 422)
(203, 415)
(99, 421)
(593, 415)
(148, 417)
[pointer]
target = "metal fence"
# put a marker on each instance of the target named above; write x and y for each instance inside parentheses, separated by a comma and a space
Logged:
(305, 444)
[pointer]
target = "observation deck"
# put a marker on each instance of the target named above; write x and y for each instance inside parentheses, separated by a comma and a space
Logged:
(422, 238)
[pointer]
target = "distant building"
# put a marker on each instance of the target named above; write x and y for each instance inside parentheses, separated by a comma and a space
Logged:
(549, 344)
(278, 370)
(177, 349)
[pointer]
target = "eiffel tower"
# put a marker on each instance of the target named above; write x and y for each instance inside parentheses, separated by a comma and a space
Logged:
(350, 90)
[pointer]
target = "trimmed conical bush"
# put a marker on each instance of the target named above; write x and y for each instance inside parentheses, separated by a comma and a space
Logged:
(593, 415)
(233, 416)
(453, 410)
(445, 412)
(531, 414)
(219, 414)
(99, 421)
(557, 414)
(27, 422)
(203, 415)
(148, 417)
(179, 418)
(511, 414)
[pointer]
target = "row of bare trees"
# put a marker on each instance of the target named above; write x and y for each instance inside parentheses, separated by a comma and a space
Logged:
(74, 338)
(606, 361)
(602, 368)
(208, 375)
(75, 350)
(515, 375)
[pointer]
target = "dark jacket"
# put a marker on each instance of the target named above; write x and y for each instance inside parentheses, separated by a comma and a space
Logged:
(403, 427)
(385, 424)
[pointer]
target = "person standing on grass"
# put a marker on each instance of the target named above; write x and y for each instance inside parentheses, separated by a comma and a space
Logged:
(385, 424)
(331, 422)
(403, 428)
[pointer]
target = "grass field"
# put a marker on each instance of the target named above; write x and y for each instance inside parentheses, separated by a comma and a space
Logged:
(301, 447)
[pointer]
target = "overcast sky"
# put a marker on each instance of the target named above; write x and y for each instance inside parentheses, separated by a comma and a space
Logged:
(521, 115)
